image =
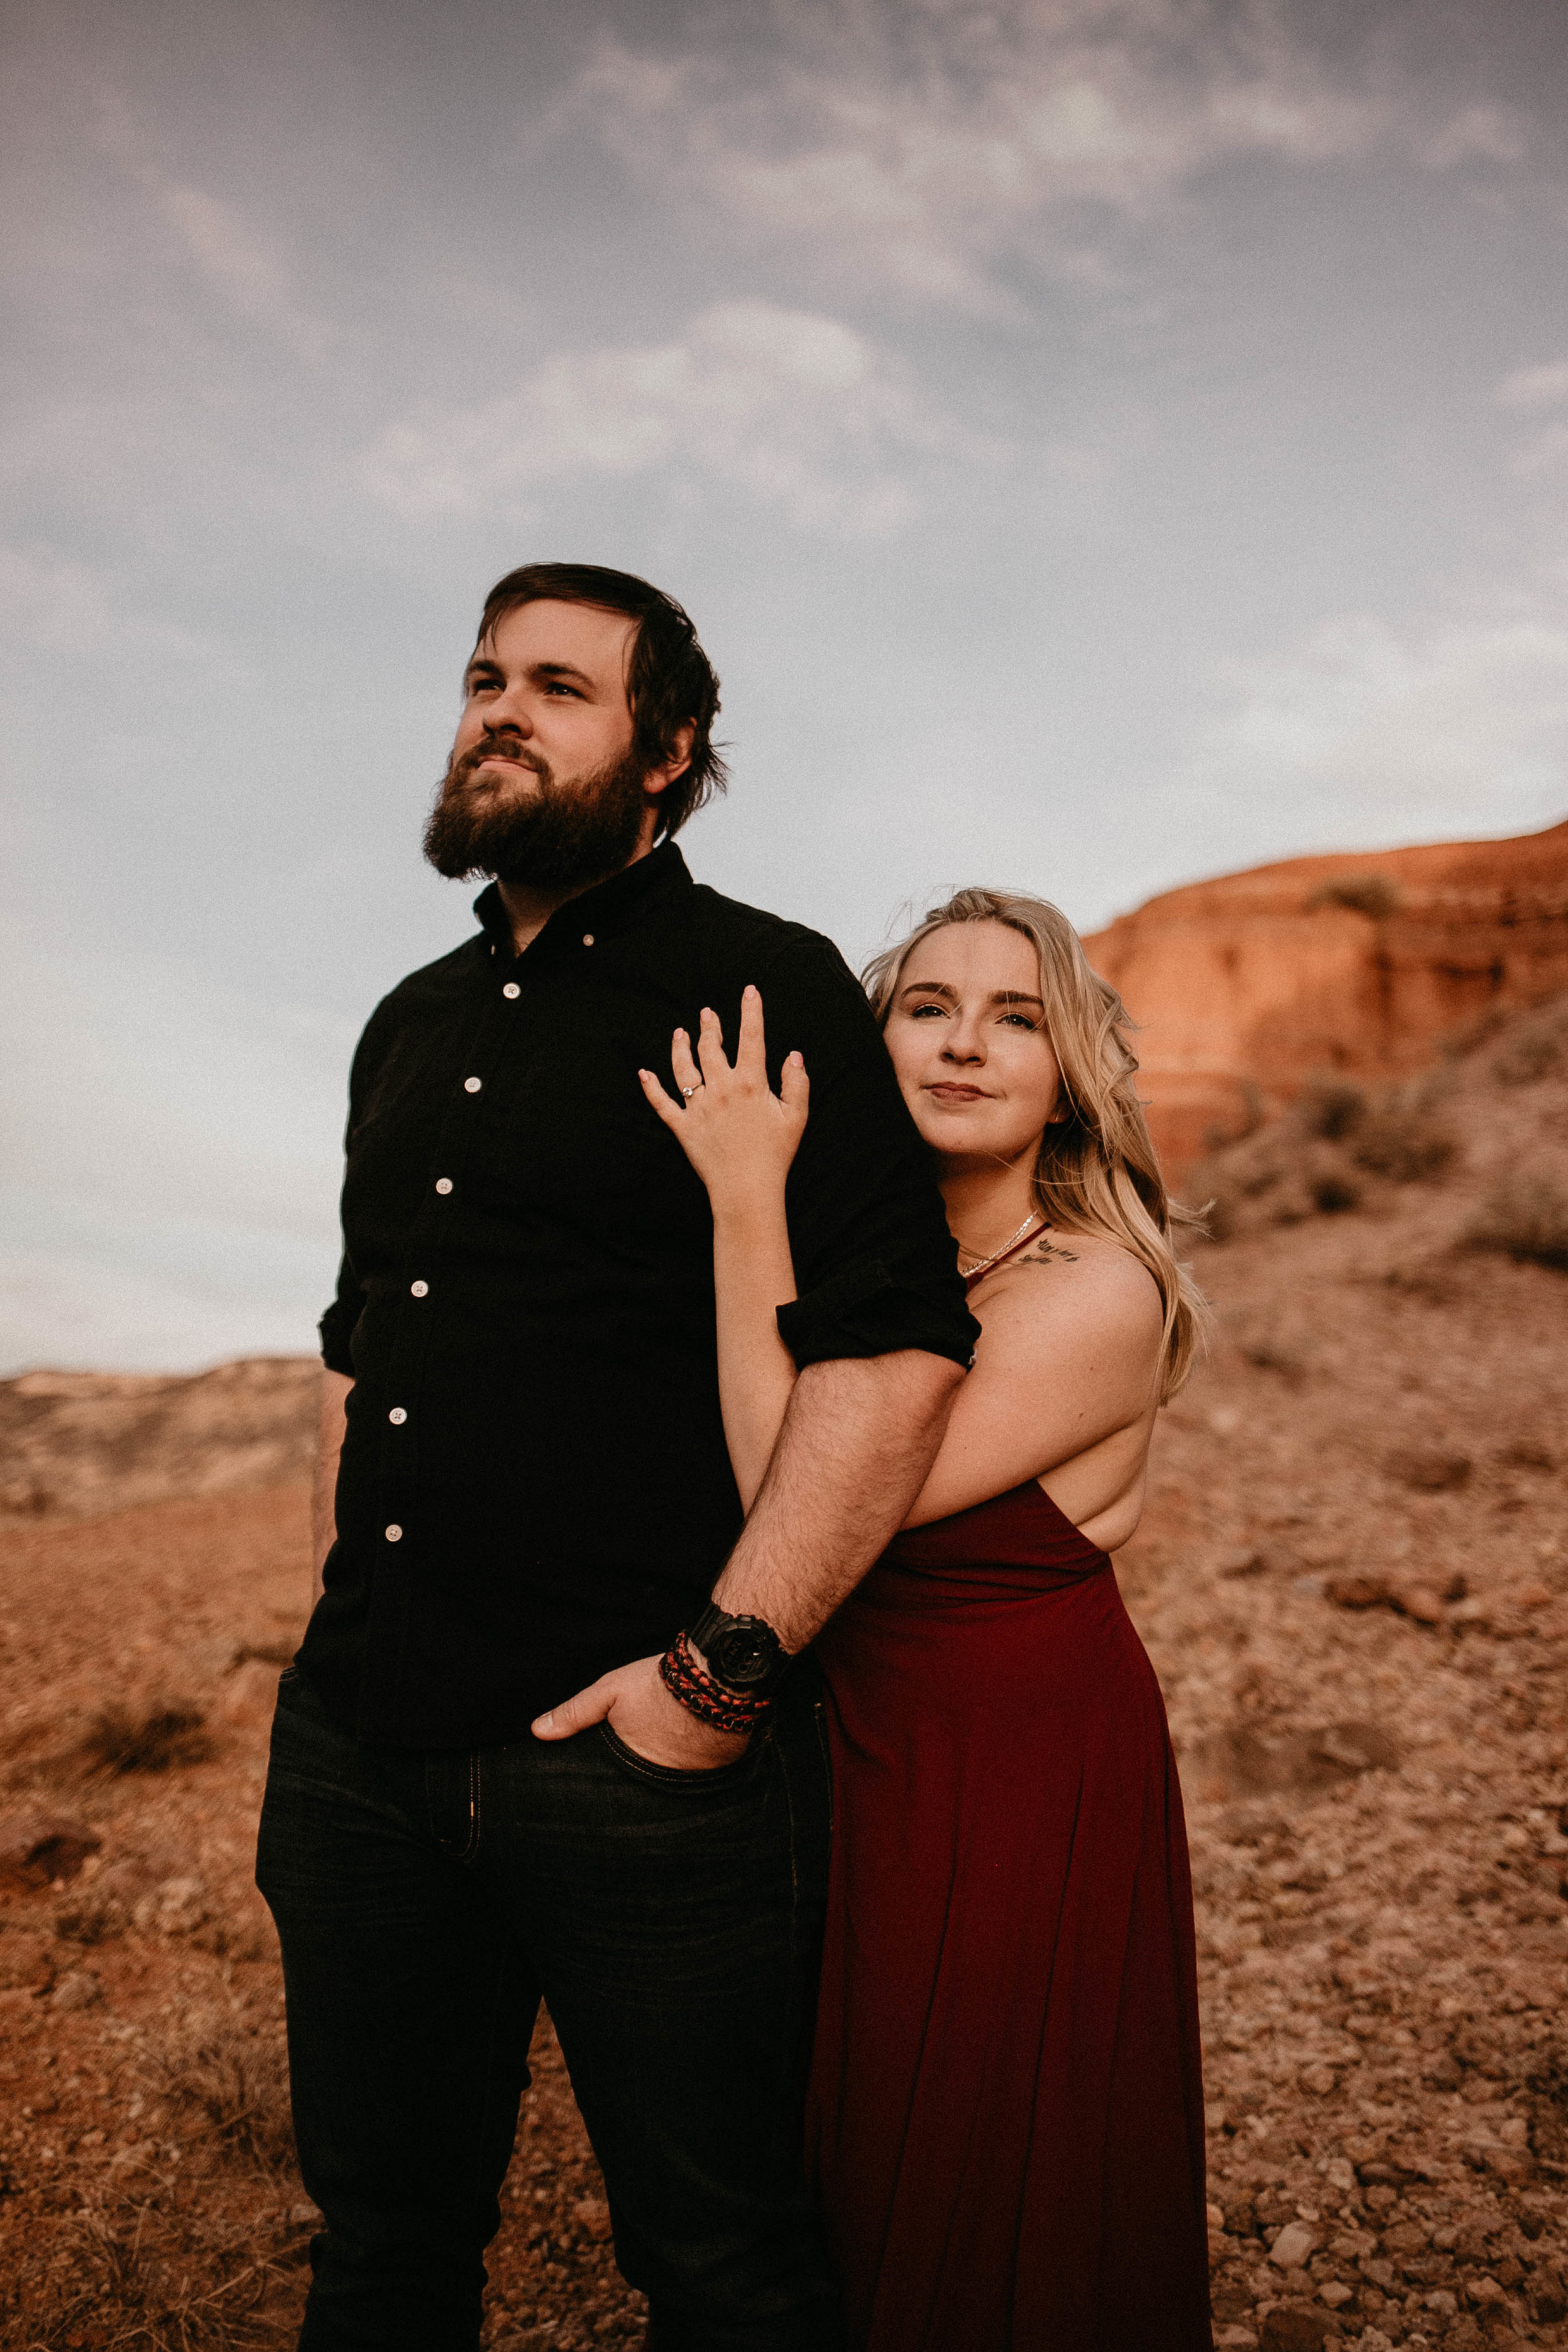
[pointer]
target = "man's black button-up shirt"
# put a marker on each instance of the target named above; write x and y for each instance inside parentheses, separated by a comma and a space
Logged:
(535, 1485)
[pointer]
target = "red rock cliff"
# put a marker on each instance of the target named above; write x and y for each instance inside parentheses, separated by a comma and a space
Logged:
(1244, 986)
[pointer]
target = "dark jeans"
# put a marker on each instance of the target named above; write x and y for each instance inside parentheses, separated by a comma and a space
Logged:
(670, 1920)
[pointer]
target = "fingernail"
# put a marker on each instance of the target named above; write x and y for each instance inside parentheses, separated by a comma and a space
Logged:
(708, 1013)
(750, 991)
(546, 1723)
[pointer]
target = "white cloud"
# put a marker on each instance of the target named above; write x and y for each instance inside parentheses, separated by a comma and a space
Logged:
(51, 603)
(245, 265)
(1529, 392)
(796, 409)
(924, 145)
(1364, 731)
(1535, 387)
(1478, 134)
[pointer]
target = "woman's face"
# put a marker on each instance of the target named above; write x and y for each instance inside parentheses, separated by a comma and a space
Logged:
(967, 1034)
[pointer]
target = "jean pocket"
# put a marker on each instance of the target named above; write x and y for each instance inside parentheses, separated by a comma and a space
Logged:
(676, 1776)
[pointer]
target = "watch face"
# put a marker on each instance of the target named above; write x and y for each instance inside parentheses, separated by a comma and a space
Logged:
(738, 1658)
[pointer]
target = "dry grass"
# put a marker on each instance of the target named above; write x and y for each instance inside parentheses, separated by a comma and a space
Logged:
(175, 2267)
(227, 2088)
(130, 2276)
(1525, 1216)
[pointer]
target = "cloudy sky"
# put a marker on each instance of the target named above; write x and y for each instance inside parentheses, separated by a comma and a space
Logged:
(1102, 442)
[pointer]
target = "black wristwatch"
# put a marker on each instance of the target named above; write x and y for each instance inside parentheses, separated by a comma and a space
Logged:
(744, 1654)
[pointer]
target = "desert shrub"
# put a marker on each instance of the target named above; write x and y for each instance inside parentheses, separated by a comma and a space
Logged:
(1313, 1159)
(1330, 1108)
(1365, 894)
(1333, 1191)
(1527, 1453)
(1536, 1046)
(1404, 1140)
(1273, 1348)
(1524, 1216)
(151, 1741)
(1431, 1471)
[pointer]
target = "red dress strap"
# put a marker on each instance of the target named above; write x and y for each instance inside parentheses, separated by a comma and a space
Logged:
(981, 1272)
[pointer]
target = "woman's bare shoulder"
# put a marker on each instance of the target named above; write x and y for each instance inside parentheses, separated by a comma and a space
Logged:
(1066, 1275)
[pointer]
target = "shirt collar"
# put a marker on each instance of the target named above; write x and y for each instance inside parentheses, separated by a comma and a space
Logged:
(610, 906)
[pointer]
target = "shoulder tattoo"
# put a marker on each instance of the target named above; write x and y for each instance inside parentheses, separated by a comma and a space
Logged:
(1046, 1253)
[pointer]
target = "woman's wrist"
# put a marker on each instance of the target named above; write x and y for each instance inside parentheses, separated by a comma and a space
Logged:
(748, 1206)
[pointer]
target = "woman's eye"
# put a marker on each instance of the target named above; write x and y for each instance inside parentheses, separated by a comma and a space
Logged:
(1018, 1020)
(919, 1012)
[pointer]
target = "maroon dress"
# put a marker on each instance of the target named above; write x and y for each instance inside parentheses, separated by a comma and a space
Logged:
(1006, 2117)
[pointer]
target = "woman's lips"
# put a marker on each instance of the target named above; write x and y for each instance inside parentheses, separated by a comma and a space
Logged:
(954, 1093)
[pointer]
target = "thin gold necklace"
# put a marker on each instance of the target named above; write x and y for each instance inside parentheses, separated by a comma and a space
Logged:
(969, 1271)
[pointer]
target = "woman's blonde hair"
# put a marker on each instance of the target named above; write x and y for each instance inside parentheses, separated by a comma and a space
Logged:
(1097, 1171)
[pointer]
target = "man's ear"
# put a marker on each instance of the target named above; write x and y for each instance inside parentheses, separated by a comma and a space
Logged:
(668, 771)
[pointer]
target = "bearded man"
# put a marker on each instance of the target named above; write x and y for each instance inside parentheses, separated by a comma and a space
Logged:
(524, 1490)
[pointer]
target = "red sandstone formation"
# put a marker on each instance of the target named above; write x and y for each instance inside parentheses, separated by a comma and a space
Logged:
(1245, 986)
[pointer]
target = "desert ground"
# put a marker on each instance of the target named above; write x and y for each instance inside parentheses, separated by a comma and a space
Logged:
(1353, 1577)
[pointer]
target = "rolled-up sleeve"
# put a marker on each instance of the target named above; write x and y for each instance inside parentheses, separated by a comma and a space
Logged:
(876, 1267)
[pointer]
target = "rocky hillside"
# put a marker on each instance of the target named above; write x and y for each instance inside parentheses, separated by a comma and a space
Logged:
(1247, 986)
(76, 1443)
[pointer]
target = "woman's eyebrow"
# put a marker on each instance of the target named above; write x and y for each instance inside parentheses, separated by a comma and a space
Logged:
(931, 988)
(1015, 996)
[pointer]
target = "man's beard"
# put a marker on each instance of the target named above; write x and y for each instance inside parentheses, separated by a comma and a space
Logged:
(556, 837)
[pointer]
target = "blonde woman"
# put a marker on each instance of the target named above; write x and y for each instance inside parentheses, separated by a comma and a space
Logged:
(1006, 2117)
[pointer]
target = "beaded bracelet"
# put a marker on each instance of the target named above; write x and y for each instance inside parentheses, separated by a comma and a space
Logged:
(701, 1696)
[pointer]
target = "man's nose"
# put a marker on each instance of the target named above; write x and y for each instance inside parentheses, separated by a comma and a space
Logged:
(508, 713)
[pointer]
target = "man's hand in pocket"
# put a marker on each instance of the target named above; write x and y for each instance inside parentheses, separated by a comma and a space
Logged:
(638, 1709)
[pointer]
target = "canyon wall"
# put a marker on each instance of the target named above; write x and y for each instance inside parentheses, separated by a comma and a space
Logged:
(1245, 987)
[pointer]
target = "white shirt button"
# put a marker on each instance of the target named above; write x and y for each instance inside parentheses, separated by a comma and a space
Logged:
(587, 938)
(472, 1085)
(419, 1289)
(511, 989)
(395, 1533)
(443, 1183)
(397, 1416)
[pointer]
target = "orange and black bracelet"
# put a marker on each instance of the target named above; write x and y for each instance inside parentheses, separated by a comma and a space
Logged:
(701, 1696)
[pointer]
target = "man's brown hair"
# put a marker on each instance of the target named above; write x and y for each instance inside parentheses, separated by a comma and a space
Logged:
(670, 684)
